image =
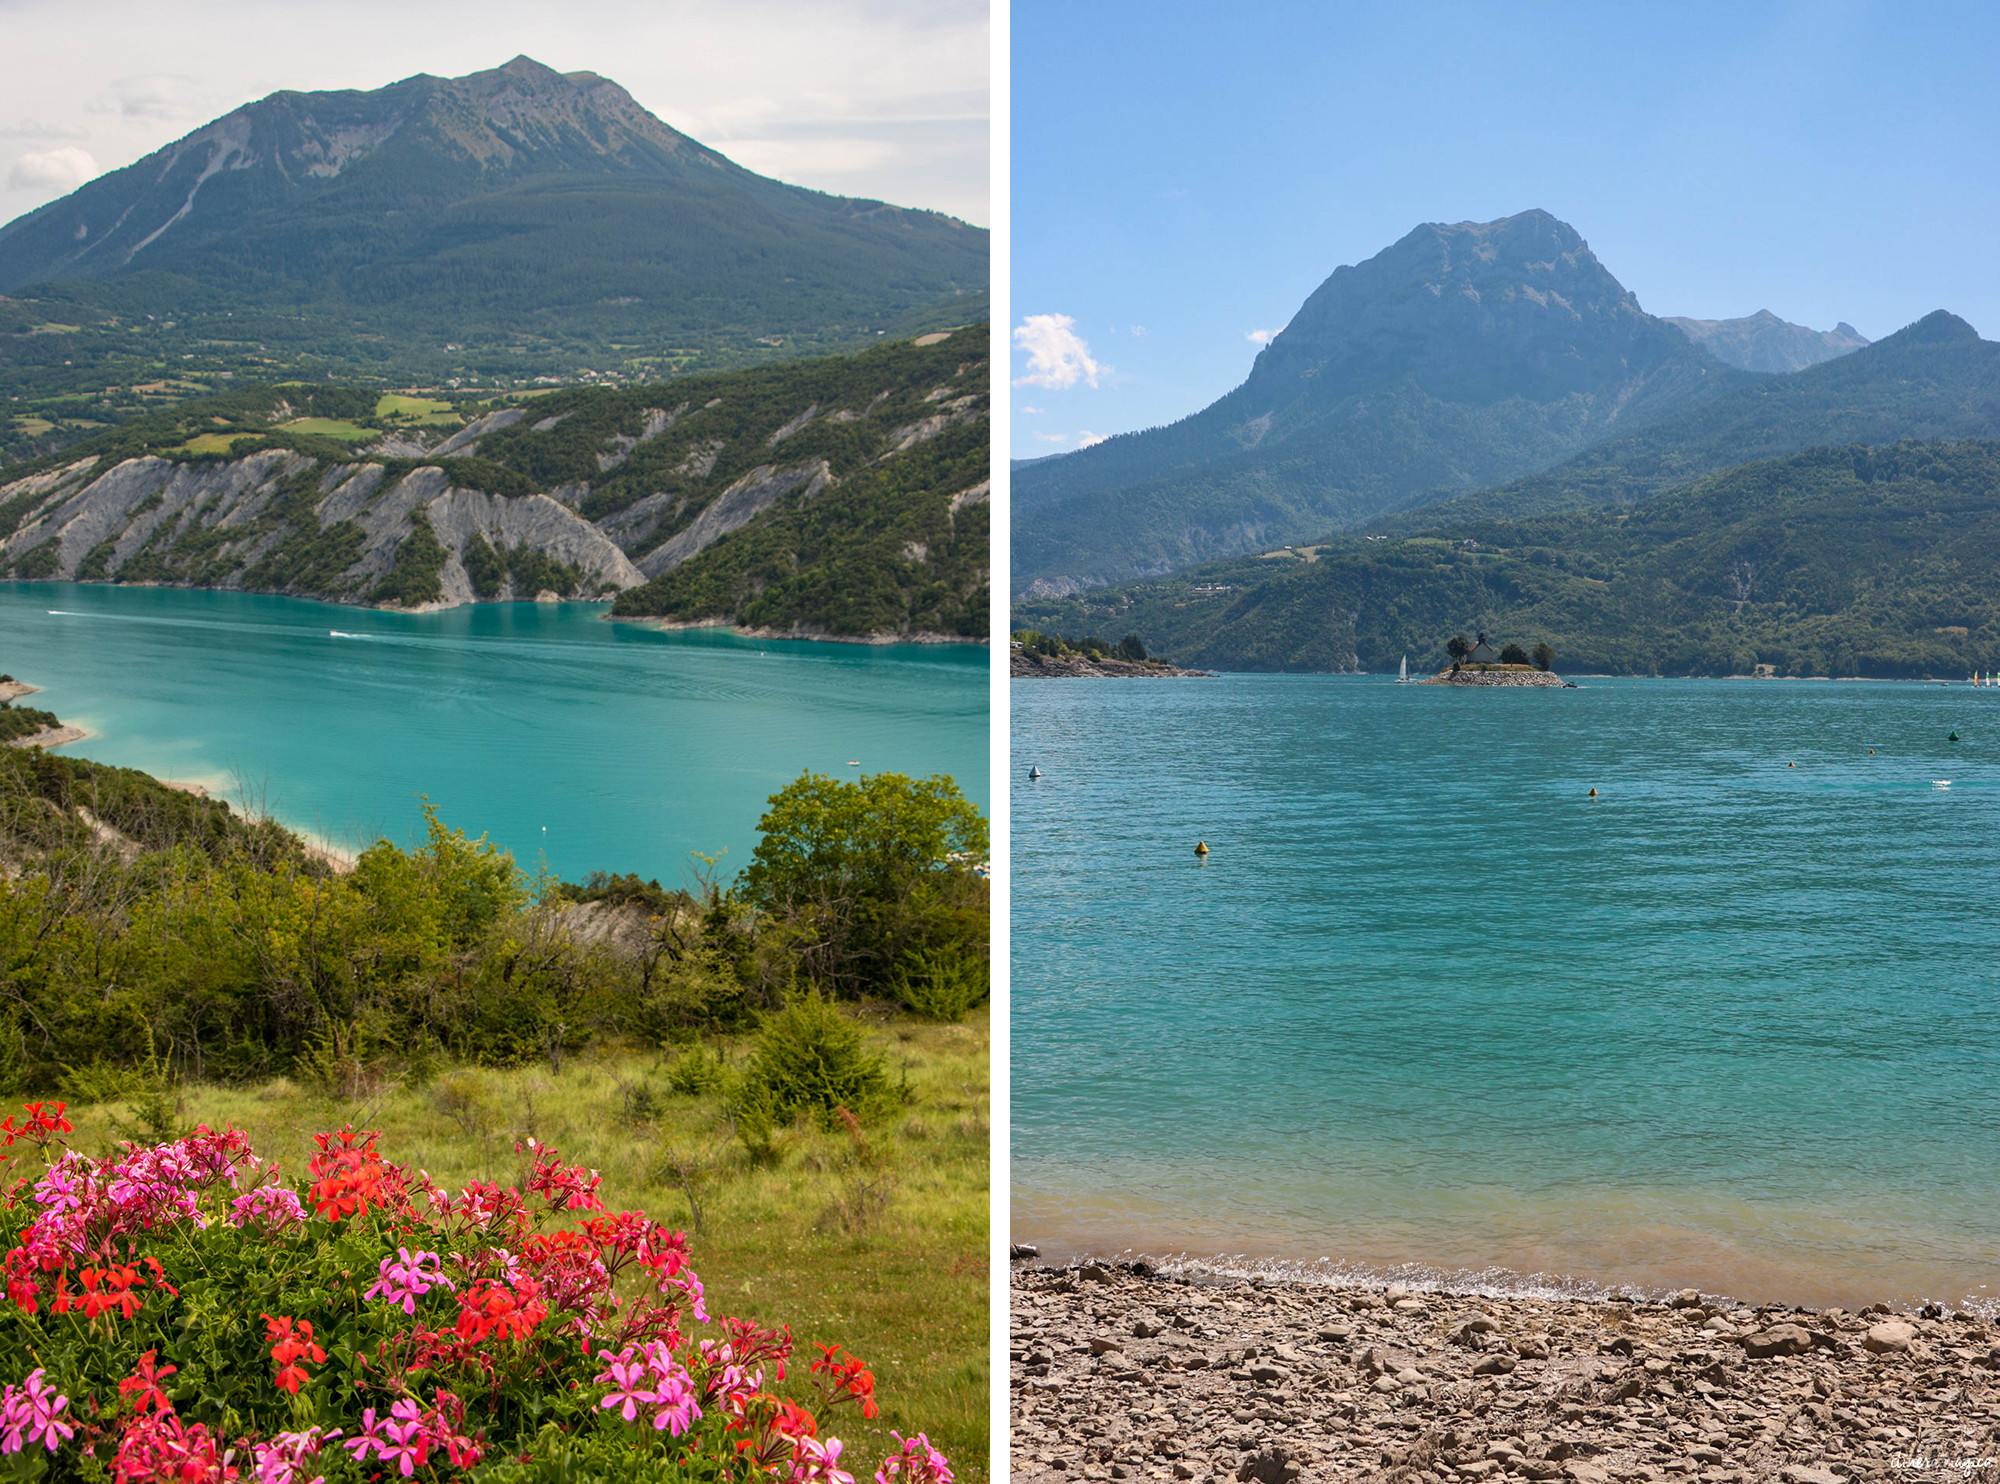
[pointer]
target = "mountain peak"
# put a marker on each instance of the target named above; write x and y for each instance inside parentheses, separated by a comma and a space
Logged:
(1764, 342)
(1939, 327)
(528, 69)
(553, 205)
(1474, 312)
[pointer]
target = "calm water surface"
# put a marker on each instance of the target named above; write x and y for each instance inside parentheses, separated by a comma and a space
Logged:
(1732, 1022)
(603, 746)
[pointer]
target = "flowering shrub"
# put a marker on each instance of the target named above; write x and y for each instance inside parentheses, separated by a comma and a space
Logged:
(182, 1313)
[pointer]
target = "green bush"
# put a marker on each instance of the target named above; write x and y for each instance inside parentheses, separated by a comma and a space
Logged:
(942, 985)
(695, 1073)
(811, 1059)
(861, 875)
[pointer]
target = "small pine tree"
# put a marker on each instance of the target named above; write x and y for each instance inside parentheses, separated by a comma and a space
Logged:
(1544, 655)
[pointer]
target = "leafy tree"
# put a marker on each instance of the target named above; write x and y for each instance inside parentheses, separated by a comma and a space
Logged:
(1458, 647)
(1545, 657)
(1513, 654)
(870, 873)
(1130, 648)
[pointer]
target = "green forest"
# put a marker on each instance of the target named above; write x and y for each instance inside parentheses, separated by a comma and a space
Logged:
(1837, 561)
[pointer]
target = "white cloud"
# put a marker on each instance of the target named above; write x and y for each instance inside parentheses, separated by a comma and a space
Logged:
(1138, 329)
(1031, 411)
(1261, 337)
(1086, 438)
(1058, 357)
(60, 170)
(1053, 437)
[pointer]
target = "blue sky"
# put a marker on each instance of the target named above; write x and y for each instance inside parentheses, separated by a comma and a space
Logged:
(1184, 175)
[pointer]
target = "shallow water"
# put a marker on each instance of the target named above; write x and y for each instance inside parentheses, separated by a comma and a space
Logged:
(1732, 1022)
(599, 746)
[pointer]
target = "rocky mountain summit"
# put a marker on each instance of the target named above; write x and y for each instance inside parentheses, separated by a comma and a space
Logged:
(1763, 342)
(856, 485)
(510, 223)
(1466, 354)
(1120, 1372)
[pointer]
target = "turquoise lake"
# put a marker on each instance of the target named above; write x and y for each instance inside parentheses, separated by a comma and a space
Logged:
(1430, 1009)
(594, 745)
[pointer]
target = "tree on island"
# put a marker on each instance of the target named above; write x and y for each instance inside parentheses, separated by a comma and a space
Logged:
(1545, 657)
(1513, 654)
(1458, 647)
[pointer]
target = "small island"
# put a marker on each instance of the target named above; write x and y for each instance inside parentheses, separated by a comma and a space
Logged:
(1034, 655)
(1475, 662)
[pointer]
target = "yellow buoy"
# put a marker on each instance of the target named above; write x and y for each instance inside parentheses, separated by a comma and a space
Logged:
(1593, 793)
(1201, 847)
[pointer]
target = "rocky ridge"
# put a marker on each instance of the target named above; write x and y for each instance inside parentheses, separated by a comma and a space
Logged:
(87, 523)
(1118, 1371)
(1763, 342)
(605, 491)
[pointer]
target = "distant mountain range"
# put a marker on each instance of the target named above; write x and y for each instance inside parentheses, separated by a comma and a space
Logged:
(1935, 379)
(1460, 358)
(844, 497)
(1822, 505)
(497, 227)
(1847, 561)
(1763, 342)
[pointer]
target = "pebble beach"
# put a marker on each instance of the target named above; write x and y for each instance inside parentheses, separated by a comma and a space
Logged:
(1121, 1371)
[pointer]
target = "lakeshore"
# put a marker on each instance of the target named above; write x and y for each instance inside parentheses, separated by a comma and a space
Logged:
(1124, 1371)
(797, 634)
(1083, 667)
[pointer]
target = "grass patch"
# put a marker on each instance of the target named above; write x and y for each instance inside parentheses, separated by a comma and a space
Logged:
(329, 427)
(211, 443)
(874, 1236)
(419, 409)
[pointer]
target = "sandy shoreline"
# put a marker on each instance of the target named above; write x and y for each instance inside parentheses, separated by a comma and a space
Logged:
(53, 737)
(1117, 1371)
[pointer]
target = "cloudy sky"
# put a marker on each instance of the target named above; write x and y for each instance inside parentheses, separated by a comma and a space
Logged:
(1185, 175)
(878, 98)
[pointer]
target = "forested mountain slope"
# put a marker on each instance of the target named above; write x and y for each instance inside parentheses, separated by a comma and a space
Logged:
(844, 495)
(1835, 561)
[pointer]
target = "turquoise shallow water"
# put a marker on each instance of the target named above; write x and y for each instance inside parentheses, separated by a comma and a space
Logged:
(1730, 1023)
(604, 746)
